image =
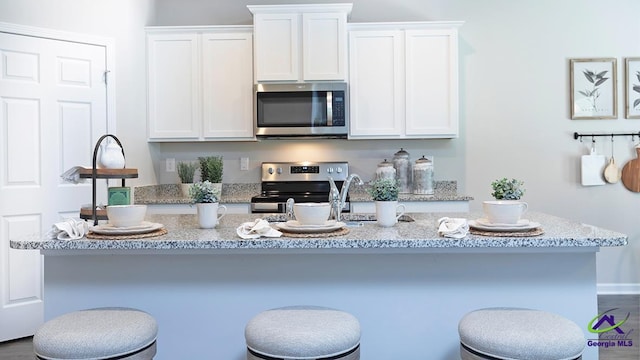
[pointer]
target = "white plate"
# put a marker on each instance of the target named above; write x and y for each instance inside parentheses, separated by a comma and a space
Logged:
(487, 223)
(315, 229)
(296, 224)
(144, 227)
(530, 226)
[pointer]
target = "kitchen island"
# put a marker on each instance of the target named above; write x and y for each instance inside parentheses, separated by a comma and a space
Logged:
(407, 285)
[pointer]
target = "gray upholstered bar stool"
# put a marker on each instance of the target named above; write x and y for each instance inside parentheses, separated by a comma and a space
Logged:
(303, 332)
(102, 333)
(519, 334)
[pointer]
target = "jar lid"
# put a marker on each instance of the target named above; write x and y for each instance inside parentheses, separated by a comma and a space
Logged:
(385, 163)
(423, 160)
(401, 153)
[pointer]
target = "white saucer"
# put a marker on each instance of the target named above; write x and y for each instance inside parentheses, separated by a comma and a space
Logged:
(309, 228)
(530, 226)
(296, 224)
(486, 222)
(108, 229)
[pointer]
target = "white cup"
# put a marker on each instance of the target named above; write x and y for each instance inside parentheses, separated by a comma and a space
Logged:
(504, 211)
(209, 214)
(312, 213)
(388, 212)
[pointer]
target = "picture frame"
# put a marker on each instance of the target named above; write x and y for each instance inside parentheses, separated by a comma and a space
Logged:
(632, 88)
(593, 88)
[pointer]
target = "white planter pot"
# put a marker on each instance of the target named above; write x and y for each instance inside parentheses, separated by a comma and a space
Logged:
(185, 189)
(388, 212)
(209, 214)
(504, 211)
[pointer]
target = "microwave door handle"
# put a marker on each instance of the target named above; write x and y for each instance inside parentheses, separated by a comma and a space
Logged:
(329, 108)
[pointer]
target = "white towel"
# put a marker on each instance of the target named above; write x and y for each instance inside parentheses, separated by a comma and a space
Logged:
(453, 227)
(256, 229)
(73, 175)
(69, 229)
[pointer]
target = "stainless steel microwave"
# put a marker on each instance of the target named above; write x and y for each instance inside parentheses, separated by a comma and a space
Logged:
(302, 110)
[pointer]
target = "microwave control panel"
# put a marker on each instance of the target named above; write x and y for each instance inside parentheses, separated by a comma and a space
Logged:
(338, 108)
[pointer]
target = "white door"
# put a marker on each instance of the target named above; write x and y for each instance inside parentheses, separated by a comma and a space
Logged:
(53, 106)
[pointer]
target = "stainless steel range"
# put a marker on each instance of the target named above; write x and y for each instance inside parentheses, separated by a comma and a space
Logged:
(302, 181)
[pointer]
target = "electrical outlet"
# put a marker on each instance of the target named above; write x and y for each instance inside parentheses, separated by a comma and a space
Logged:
(244, 164)
(171, 165)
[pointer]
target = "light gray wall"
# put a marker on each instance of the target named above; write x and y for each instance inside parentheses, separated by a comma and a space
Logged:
(514, 99)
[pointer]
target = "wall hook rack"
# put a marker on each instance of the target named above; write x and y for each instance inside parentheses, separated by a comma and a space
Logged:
(577, 136)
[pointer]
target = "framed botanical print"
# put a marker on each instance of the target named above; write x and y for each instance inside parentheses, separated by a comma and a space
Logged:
(593, 88)
(632, 88)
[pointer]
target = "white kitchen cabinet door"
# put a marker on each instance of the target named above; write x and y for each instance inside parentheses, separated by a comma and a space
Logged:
(376, 74)
(174, 97)
(431, 83)
(324, 46)
(403, 79)
(305, 42)
(227, 86)
(200, 83)
(277, 47)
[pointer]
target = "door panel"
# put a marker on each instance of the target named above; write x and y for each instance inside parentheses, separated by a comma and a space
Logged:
(52, 109)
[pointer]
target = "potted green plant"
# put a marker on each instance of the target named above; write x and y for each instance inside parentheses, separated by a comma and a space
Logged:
(504, 189)
(186, 171)
(202, 194)
(507, 209)
(384, 192)
(384, 189)
(211, 170)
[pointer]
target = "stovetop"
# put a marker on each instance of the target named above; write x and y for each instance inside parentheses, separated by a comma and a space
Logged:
(302, 181)
(304, 171)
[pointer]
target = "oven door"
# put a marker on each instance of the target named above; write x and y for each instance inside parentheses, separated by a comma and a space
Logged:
(286, 110)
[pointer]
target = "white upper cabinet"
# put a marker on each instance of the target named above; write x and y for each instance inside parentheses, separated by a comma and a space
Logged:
(300, 42)
(227, 85)
(403, 80)
(200, 83)
(173, 85)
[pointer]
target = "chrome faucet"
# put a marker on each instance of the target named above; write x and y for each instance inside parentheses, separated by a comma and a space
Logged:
(338, 198)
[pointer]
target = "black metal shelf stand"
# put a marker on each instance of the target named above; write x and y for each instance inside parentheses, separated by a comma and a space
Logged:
(96, 173)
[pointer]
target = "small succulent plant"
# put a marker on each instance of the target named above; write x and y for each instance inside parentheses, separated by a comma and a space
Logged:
(202, 192)
(504, 189)
(384, 189)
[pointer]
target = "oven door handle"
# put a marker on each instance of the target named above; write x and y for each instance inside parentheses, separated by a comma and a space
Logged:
(267, 208)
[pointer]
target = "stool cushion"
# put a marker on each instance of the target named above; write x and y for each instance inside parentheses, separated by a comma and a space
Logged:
(95, 334)
(302, 332)
(515, 333)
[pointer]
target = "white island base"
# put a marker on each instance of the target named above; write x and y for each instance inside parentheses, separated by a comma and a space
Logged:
(408, 302)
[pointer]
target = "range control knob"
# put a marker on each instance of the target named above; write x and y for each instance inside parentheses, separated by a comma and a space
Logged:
(339, 170)
(279, 170)
(330, 170)
(270, 171)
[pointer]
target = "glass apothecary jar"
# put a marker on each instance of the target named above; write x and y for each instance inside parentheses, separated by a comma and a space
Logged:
(423, 177)
(402, 164)
(385, 170)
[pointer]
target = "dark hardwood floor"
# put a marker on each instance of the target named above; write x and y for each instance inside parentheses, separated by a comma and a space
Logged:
(21, 349)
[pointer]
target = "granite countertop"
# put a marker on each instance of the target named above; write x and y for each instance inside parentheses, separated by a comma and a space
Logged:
(184, 234)
(242, 193)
